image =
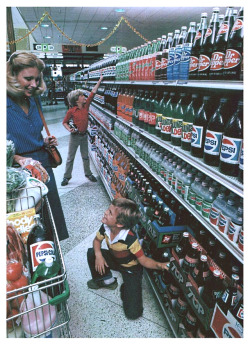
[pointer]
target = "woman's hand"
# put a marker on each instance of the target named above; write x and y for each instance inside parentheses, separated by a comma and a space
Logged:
(51, 141)
(21, 160)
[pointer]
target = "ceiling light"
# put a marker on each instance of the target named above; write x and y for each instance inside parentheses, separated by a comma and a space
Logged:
(120, 10)
(103, 39)
(46, 37)
(44, 25)
(104, 28)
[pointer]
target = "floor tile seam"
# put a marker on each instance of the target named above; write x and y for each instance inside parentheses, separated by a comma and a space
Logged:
(107, 299)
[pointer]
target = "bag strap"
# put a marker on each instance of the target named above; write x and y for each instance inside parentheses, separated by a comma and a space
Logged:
(42, 117)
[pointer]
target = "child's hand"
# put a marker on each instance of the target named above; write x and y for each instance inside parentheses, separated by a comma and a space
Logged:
(163, 266)
(100, 264)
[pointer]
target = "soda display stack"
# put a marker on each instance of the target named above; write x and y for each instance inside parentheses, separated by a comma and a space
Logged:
(170, 137)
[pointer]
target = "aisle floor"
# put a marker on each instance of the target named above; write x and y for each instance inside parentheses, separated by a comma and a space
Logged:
(94, 313)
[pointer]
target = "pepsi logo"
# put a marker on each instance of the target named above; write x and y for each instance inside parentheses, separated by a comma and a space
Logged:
(229, 332)
(230, 150)
(41, 250)
(212, 142)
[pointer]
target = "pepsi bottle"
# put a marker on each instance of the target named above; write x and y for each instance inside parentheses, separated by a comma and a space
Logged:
(40, 244)
(215, 129)
(231, 143)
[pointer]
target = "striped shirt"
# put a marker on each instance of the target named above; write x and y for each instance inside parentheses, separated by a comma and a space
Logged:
(125, 247)
(80, 116)
(25, 130)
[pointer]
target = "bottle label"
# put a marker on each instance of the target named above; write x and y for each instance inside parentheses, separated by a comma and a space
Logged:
(232, 59)
(208, 32)
(217, 61)
(225, 296)
(223, 29)
(197, 133)
(176, 128)
(152, 118)
(223, 223)
(238, 25)
(206, 207)
(141, 115)
(198, 203)
(241, 241)
(186, 132)
(177, 57)
(185, 59)
(204, 63)
(191, 196)
(157, 65)
(146, 116)
(164, 63)
(158, 123)
(213, 142)
(179, 187)
(233, 231)
(230, 150)
(240, 313)
(166, 127)
(39, 251)
(171, 57)
(193, 65)
(214, 216)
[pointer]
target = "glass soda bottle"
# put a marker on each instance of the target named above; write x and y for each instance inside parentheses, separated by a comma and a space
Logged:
(166, 128)
(186, 52)
(238, 311)
(233, 66)
(187, 123)
(171, 55)
(195, 52)
(190, 323)
(182, 247)
(201, 273)
(191, 258)
(160, 106)
(177, 120)
(178, 52)
(218, 55)
(207, 46)
(199, 128)
(213, 289)
(231, 143)
(214, 133)
(228, 298)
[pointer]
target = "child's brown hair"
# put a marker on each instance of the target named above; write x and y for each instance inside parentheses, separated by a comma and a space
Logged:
(128, 214)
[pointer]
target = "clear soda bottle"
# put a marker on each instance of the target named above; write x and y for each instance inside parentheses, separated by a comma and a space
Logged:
(208, 198)
(218, 205)
(235, 225)
(226, 214)
(167, 115)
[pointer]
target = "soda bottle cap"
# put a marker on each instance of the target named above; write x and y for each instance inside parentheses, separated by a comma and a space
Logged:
(206, 97)
(235, 277)
(204, 14)
(195, 245)
(49, 261)
(192, 23)
(216, 9)
(177, 31)
(222, 255)
(186, 234)
(223, 100)
(216, 273)
(240, 102)
(184, 28)
(235, 269)
(203, 258)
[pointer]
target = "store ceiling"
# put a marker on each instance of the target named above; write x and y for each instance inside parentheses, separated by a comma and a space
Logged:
(83, 24)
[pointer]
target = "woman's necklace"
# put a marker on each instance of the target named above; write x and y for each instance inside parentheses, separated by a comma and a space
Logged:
(25, 105)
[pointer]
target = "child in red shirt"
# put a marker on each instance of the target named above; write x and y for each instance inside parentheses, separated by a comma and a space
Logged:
(78, 112)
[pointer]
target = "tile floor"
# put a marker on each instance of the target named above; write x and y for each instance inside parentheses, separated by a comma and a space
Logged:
(94, 313)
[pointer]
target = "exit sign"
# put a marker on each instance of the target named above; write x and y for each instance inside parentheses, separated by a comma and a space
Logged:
(118, 49)
(44, 47)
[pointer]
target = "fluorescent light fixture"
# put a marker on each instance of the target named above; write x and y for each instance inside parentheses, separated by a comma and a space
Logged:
(44, 25)
(46, 36)
(103, 39)
(120, 10)
(104, 28)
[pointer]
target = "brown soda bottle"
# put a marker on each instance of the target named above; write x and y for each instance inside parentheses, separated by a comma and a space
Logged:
(164, 219)
(174, 290)
(228, 298)
(195, 52)
(191, 259)
(158, 211)
(183, 246)
(220, 46)
(238, 311)
(213, 289)
(181, 306)
(233, 66)
(201, 273)
(208, 44)
(190, 323)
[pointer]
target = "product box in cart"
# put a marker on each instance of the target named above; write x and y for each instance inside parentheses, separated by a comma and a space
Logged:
(225, 325)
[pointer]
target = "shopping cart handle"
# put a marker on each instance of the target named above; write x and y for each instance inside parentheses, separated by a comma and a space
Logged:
(62, 297)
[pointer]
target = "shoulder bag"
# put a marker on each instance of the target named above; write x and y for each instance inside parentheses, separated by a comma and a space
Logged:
(54, 154)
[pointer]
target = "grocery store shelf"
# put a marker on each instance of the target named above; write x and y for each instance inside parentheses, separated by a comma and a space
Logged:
(160, 301)
(230, 183)
(213, 84)
(91, 154)
(232, 247)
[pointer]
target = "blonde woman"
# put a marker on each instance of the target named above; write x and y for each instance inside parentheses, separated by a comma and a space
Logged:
(24, 125)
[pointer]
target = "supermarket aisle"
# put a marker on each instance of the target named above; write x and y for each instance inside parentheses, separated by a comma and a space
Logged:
(94, 313)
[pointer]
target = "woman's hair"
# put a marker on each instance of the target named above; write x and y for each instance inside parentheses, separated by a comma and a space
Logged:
(73, 97)
(128, 213)
(16, 63)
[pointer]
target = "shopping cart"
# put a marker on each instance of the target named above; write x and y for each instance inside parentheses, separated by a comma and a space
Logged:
(53, 293)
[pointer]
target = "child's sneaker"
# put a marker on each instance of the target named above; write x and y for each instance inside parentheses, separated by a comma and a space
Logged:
(92, 284)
